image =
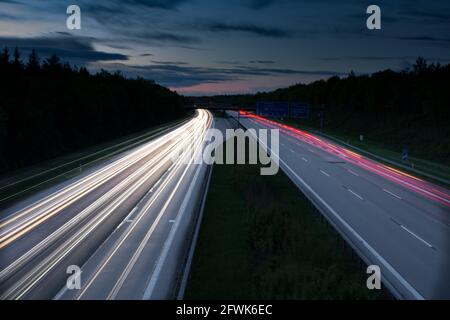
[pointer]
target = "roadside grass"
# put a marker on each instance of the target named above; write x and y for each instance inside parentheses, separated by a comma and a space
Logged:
(25, 181)
(428, 166)
(260, 239)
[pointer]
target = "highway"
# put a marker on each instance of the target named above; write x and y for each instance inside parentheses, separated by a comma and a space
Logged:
(126, 223)
(391, 218)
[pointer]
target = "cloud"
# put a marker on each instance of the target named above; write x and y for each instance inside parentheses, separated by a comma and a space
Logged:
(259, 4)
(262, 61)
(121, 6)
(174, 63)
(436, 16)
(10, 1)
(180, 75)
(234, 62)
(424, 38)
(67, 47)
(260, 31)
(163, 4)
(167, 37)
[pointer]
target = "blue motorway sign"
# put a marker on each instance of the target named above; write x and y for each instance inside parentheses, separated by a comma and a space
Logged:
(282, 109)
(299, 110)
(273, 109)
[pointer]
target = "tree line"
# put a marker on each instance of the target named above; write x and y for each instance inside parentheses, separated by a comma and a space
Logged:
(396, 109)
(49, 108)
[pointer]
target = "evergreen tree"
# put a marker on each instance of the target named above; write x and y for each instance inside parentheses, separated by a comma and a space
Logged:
(17, 63)
(33, 61)
(420, 66)
(4, 57)
(53, 62)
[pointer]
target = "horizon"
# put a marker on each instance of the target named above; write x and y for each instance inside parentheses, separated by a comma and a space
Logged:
(199, 48)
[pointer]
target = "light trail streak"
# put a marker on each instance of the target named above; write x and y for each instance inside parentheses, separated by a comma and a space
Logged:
(88, 220)
(35, 214)
(406, 180)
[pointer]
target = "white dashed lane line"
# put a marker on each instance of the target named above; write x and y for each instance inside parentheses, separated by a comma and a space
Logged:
(392, 194)
(353, 173)
(429, 245)
(355, 194)
(324, 173)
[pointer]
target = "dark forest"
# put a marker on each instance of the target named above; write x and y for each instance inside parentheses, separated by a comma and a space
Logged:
(49, 108)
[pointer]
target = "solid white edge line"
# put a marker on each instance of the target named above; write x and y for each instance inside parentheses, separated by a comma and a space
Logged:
(358, 237)
(168, 243)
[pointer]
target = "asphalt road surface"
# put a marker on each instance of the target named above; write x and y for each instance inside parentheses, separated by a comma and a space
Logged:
(393, 219)
(125, 223)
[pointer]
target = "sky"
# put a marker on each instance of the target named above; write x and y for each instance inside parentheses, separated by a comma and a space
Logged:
(207, 47)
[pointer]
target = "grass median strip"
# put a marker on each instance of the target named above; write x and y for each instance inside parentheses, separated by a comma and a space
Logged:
(260, 239)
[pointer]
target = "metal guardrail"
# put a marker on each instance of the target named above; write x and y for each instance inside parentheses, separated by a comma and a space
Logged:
(395, 163)
(395, 284)
(193, 243)
(128, 145)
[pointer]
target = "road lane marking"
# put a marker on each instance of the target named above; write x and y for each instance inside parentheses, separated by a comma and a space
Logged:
(353, 173)
(358, 237)
(118, 285)
(304, 159)
(416, 236)
(291, 150)
(324, 173)
(74, 240)
(355, 194)
(61, 199)
(168, 243)
(392, 194)
(144, 210)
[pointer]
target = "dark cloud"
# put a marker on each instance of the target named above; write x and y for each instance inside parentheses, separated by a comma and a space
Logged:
(5, 16)
(79, 49)
(122, 6)
(235, 62)
(262, 61)
(437, 16)
(162, 4)
(182, 75)
(401, 59)
(365, 58)
(424, 38)
(259, 4)
(10, 1)
(175, 63)
(167, 37)
(260, 31)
